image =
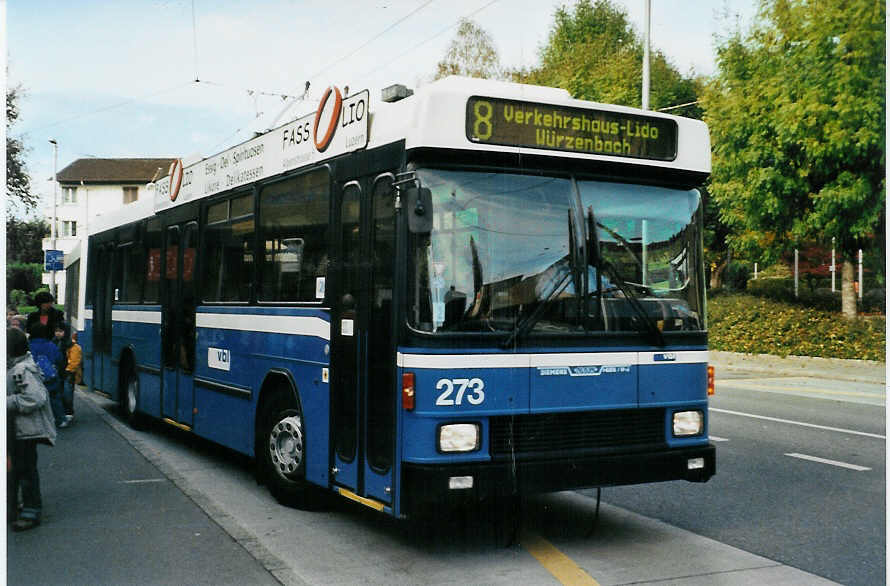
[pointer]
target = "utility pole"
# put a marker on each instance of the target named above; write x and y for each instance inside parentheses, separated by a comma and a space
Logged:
(647, 18)
(53, 230)
(833, 266)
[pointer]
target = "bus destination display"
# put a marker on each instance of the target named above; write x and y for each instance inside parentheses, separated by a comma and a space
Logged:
(545, 126)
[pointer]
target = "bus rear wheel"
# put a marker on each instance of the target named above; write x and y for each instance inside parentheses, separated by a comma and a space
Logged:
(281, 452)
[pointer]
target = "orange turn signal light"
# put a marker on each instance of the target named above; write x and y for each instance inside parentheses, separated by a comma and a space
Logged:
(710, 380)
(408, 391)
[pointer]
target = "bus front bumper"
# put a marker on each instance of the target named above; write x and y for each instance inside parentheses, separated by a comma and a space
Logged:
(426, 486)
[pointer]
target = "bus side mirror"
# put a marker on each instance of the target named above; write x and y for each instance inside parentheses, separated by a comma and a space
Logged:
(418, 204)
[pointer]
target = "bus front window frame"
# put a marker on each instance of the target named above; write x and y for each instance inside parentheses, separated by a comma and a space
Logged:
(475, 291)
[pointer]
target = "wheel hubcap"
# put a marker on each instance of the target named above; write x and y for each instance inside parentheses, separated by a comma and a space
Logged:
(132, 391)
(286, 446)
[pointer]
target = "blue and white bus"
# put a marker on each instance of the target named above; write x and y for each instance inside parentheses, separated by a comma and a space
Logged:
(471, 292)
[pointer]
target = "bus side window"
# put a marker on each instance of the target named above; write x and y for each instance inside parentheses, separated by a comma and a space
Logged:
(294, 217)
(228, 250)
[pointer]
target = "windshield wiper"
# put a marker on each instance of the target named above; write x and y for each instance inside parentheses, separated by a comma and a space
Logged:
(534, 316)
(571, 276)
(601, 264)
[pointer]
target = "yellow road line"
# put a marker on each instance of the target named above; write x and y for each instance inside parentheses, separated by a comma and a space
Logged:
(554, 561)
(757, 387)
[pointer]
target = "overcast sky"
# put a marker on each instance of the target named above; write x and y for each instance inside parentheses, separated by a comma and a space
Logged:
(116, 79)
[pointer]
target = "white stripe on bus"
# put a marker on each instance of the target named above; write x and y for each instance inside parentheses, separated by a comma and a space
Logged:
(140, 317)
(543, 360)
(270, 324)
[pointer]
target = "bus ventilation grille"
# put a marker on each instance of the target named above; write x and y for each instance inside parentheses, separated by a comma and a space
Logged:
(578, 431)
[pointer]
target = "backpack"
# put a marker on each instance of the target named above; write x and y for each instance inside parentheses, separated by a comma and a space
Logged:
(46, 367)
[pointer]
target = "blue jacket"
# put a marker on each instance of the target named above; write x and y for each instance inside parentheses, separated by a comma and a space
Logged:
(44, 347)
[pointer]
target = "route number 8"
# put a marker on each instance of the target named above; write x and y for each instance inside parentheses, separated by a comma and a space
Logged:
(482, 126)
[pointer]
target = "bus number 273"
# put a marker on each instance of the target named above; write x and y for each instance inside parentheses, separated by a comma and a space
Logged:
(454, 391)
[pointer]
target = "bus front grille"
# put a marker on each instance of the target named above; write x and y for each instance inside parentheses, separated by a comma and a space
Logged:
(585, 431)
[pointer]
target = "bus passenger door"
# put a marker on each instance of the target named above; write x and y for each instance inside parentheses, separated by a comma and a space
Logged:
(178, 324)
(102, 375)
(363, 365)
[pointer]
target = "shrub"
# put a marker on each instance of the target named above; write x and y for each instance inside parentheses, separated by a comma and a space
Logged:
(17, 297)
(777, 288)
(874, 301)
(24, 276)
(735, 276)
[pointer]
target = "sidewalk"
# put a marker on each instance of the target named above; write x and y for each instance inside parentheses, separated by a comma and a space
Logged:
(866, 371)
(110, 516)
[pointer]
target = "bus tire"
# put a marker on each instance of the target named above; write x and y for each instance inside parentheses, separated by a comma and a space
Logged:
(130, 399)
(282, 455)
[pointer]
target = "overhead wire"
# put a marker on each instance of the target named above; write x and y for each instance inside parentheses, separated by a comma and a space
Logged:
(284, 96)
(350, 54)
(112, 106)
(428, 39)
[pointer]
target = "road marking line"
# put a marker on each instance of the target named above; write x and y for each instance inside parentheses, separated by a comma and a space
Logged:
(832, 462)
(718, 439)
(742, 383)
(144, 481)
(554, 561)
(800, 423)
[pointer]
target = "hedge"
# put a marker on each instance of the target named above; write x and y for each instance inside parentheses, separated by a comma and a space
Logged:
(782, 289)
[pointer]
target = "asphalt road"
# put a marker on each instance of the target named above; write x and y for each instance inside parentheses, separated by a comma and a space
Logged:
(800, 478)
(163, 507)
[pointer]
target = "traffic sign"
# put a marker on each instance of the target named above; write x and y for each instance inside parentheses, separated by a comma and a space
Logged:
(53, 260)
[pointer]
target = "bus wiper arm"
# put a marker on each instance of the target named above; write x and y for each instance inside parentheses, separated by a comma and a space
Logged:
(569, 277)
(601, 264)
(534, 316)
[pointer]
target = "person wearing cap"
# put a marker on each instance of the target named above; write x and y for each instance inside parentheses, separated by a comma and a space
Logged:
(43, 322)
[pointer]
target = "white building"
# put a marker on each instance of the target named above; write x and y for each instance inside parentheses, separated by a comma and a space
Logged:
(89, 188)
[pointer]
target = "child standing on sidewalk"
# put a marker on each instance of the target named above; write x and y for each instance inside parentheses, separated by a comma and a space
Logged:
(29, 414)
(73, 375)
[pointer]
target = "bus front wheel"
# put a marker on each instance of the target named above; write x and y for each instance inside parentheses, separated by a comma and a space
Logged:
(281, 451)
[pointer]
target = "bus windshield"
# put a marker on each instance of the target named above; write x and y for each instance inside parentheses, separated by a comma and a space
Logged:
(560, 254)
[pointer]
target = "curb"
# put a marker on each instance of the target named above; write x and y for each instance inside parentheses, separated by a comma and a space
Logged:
(866, 371)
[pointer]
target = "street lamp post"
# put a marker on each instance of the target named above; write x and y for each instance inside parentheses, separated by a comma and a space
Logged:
(647, 18)
(53, 231)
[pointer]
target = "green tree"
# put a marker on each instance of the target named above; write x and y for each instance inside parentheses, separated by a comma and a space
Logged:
(24, 239)
(471, 53)
(18, 184)
(594, 52)
(797, 119)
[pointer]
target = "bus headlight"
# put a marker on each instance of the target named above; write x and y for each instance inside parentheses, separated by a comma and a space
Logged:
(687, 423)
(459, 437)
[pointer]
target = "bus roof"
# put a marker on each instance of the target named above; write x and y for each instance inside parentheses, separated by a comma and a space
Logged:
(454, 113)
(530, 119)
